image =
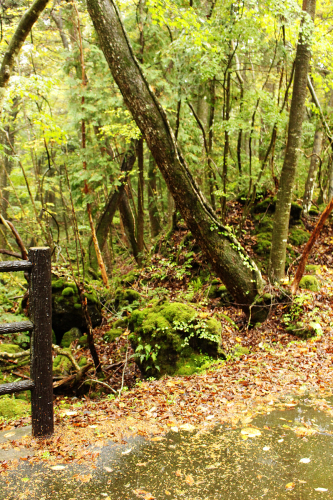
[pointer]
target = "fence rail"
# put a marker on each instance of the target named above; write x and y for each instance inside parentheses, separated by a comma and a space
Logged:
(40, 307)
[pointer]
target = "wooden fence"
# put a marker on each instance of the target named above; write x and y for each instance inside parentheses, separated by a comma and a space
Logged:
(40, 324)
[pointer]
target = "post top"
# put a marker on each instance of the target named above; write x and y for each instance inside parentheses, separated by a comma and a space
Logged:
(39, 248)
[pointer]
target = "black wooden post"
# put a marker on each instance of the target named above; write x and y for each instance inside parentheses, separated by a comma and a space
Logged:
(40, 306)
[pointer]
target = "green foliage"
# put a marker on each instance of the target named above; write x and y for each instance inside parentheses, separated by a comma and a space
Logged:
(298, 236)
(112, 334)
(11, 408)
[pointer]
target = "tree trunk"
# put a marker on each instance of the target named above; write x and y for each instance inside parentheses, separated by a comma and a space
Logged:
(240, 275)
(155, 225)
(287, 180)
(140, 223)
(312, 174)
(104, 223)
(128, 223)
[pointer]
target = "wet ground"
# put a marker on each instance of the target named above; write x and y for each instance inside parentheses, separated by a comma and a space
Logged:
(287, 453)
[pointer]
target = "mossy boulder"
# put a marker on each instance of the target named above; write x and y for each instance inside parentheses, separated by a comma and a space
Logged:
(298, 236)
(164, 335)
(66, 307)
(130, 278)
(268, 206)
(13, 408)
(314, 211)
(310, 282)
(112, 334)
(125, 297)
(61, 364)
(70, 336)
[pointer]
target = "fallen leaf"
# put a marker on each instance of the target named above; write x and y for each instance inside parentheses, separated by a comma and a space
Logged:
(144, 494)
(189, 480)
(187, 427)
(305, 460)
(321, 489)
(290, 486)
(250, 432)
(58, 467)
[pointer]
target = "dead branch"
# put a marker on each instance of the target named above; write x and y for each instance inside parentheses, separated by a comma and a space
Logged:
(99, 382)
(14, 355)
(73, 380)
(9, 252)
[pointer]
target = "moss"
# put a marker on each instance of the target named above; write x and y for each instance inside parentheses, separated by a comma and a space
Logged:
(10, 348)
(263, 245)
(314, 211)
(91, 297)
(312, 268)
(172, 332)
(67, 292)
(298, 237)
(187, 366)
(112, 334)
(130, 278)
(13, 408)
(267, 205)
(305, 331)
(74, 287)
(61, 364)
(58, 284)
(125, 296)
(70, 336)
(82, 361)
(120, 323)
(83, 340)
(77, 306)
(310, 283)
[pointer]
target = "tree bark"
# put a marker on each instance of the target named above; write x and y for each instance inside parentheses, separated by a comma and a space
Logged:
(22, 31)
(128, 223)
(287, 180)
(229, 260)
(312, 174)
(105, 220)
(155, 225)
(141, 215)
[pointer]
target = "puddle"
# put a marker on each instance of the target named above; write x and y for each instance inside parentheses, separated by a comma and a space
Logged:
(287, 453)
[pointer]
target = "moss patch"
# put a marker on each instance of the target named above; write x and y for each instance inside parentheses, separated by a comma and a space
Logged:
(310, 283)
(112, 334)
(70, 336)
(298, 237)
(10, 348)
(61, 364)
(13, 408)
(166, 335)
(126, 296)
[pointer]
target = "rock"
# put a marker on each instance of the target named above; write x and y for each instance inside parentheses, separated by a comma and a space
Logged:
(171, 336)
(66, 308)
(70, 336)
(13, 408)
(112, 334)
(309, 282)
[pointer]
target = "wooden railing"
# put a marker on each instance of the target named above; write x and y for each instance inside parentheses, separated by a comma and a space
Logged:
(40, 308)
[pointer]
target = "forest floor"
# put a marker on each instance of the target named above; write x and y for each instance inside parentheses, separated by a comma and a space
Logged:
(275, 365)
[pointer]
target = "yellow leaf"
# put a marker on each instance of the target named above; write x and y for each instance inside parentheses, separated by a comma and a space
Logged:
(189, 480)
(238, 339)
(290, 486)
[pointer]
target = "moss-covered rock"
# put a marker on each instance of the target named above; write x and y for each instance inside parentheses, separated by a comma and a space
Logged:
(120, 323)
(83, 340)
(314, 211)
(309, 282)
(70, 336)
(239, 351)
(126, 296)
(298, 236)
(61, 364)
(163, 335)
(13, 408)
(112, 334)
(130, 278)
(66, 307)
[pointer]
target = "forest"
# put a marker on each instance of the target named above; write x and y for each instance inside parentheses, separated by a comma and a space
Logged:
(177, 159)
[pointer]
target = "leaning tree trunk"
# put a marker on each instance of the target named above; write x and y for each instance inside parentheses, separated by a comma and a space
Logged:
(312, 174)
(277, 259)
(155, 225)
(104, 222)
(128, 223)
(229, 260)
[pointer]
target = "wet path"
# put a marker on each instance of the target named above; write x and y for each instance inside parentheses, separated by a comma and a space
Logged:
(287, 453)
